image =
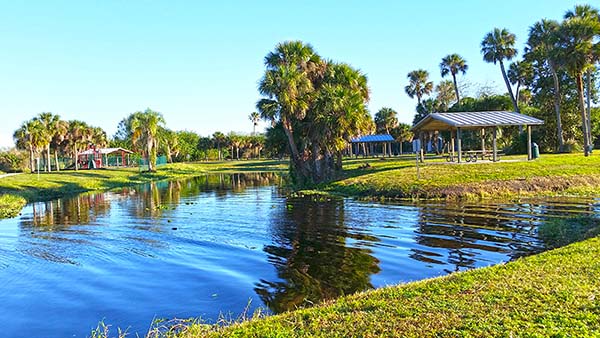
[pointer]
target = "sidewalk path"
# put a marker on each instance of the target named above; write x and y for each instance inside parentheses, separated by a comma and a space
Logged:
(11, 174)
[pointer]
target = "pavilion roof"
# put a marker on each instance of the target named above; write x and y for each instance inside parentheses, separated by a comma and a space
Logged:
(472, 120)
(373, 138)
(106, 151)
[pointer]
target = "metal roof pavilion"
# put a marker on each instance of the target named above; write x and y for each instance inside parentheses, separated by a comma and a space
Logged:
(373, 138)
(474, 120)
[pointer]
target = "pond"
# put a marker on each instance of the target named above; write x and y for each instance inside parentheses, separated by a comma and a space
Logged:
(217, 245)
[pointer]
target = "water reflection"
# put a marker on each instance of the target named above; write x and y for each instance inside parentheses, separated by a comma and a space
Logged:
(312, 257)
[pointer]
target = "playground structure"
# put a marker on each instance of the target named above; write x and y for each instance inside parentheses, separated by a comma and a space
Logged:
(94, 158)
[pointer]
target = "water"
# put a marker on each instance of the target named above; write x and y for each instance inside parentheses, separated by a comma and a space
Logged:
(220, 244)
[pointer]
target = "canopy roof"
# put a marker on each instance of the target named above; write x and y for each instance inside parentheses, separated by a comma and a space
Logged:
(106, 151)
(373, 138)
(472, 120)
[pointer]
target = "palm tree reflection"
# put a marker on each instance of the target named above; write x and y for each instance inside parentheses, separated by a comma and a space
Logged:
(312, 256)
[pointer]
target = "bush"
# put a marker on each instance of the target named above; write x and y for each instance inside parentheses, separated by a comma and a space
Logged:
(13, 161)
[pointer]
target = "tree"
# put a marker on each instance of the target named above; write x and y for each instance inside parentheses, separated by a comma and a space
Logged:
(444, 94)
(58, 140)
(27, 137)
(219, 139)
(453, 64)
(520, 73)
(48, 122)
(385, 120)
(497, 46)
(541, 45)
(254, 117)
(145, 131)
(319, 104)
(77, 139)
(418, 84)
(576, 53)
(401, 134)
(169, 143)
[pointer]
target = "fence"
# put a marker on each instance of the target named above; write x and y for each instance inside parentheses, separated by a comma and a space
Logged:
(143, 163)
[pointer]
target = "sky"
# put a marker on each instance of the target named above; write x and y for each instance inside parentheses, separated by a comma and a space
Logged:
(199, 62)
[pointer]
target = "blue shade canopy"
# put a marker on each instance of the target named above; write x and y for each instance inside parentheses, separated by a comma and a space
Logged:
(373, 138)
(466, 120)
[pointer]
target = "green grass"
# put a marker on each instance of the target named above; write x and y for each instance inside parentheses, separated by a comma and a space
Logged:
(565, 174)
(553, 294)
(46, 186)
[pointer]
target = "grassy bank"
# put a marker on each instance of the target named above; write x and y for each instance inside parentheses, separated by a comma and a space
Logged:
(566, 174)
(553, 294)
(18, 189)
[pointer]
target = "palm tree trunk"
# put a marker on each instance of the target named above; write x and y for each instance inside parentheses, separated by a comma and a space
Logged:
(510, 92)
(76, 157)
(584, 124)
(589, 108)
(559, 131)
(48, 166)
(31, 165)
(517, 92)
(149, 155)
(56, 160)
(455, 88)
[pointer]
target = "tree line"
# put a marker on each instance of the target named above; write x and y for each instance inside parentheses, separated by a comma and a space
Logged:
(52, 140)
(555, 80)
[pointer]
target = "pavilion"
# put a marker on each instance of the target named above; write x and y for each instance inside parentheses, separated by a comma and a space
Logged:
(93, 158)
(371, 140)
(455, 123)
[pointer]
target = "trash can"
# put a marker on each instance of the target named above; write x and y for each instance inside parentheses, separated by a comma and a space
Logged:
(535, 150)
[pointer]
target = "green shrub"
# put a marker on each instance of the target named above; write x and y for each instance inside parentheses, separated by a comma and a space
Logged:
(13, 161)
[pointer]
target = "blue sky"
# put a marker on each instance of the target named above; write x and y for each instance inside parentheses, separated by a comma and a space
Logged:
(199, 62)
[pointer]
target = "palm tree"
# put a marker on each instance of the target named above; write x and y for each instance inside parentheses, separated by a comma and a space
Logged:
(444, 94)
(520, 73)
(589, 13)
(145, 127)
(287, 85)
(386, 119)
(219, 138)
(77, 139)
(254, 117)
(542, 44)
(497, 46)
(418, 84)
(49, 122)
(453, 64)
(28, 136)
(576, 53)
(58, 140)
(402, 134)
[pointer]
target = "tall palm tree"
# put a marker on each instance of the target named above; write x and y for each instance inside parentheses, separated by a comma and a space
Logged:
(444, 94)
(418, 84)
(254, 117)
(542, 43)
(77, 139)
(145, 127)
(287, 85)
(58, 140)
(587, 12)
(49, 122)
(386, 119)
(497, 46)
(576, 53)
(453, 64)
(219, 139)
(520, 73)
(28, 136)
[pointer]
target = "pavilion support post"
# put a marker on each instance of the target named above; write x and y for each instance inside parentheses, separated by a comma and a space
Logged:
(451, 150)
(421, 142)
(494, 145)
(390, 149)
(350, 150)
(458, 139)
(529, 155)
(482, 141)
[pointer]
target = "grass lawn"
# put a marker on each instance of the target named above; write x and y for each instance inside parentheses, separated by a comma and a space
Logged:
(565, 174)
(553, 294)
